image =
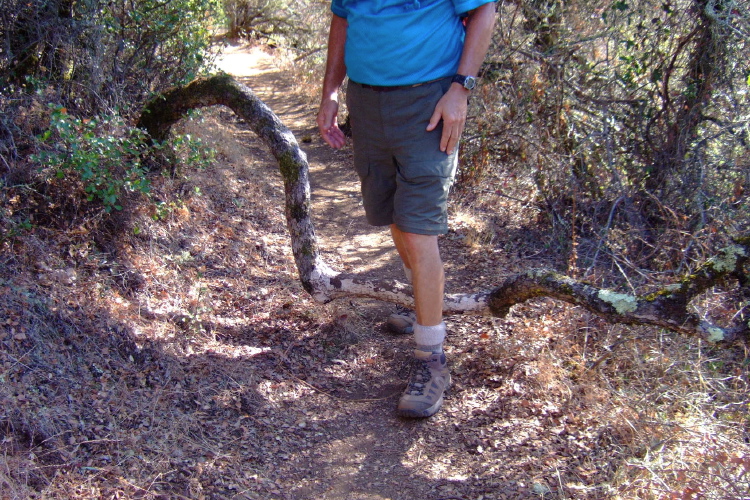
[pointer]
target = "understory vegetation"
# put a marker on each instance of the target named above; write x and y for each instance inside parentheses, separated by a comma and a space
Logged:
(155, 341)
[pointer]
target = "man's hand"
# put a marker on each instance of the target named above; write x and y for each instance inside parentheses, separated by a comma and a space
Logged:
(327, 124)
(452, 109)
(334, 76)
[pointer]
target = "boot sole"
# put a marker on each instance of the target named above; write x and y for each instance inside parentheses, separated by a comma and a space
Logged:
(427, 412)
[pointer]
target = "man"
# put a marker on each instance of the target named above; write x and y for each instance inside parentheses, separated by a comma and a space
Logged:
(411, 66)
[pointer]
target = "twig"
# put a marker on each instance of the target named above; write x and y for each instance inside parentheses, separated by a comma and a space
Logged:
(18, 361)
(622, 271)
(316, 389)
(610, 352)
(560, 482)
(7, 166)
(307, 54)
(604, 236)
(512, 198)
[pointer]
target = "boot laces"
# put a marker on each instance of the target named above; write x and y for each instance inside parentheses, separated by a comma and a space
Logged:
(419, 380)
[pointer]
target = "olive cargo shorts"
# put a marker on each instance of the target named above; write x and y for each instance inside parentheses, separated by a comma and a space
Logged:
(405, 177)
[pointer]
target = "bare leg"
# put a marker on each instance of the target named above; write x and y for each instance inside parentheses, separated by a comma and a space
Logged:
(423, 395)
(420, 253)
(398, 240)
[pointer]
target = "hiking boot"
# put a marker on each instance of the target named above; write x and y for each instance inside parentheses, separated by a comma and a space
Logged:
(402, 321)
(430, 378)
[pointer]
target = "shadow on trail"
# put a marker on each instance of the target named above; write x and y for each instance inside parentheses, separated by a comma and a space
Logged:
(128, 416)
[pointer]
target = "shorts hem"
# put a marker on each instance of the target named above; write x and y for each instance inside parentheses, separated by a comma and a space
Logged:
(427, 231)
(378, 222)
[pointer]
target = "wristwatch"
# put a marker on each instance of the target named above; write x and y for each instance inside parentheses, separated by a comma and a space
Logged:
(468, 82)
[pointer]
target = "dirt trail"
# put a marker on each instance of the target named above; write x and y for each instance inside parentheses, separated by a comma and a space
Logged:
(333, 431)
(370, 453)
(186, 360)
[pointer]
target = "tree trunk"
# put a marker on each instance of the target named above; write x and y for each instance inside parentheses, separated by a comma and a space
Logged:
(667, 308)
(676, 124)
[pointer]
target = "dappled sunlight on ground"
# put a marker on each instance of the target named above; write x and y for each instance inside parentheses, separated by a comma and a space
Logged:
(187, 361)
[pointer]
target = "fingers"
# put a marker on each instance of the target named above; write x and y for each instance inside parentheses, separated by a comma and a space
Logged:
(452, 130)
(451, 109)
(334, 137)
(435, 118)
(327, 126)
(450, 138)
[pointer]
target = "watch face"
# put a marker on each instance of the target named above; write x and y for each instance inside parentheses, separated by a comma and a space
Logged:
(468, 82)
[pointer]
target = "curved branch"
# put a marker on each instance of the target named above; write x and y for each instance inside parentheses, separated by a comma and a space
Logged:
(667, 308)
(164, 111)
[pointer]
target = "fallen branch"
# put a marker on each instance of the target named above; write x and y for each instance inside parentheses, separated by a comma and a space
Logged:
(667, 308)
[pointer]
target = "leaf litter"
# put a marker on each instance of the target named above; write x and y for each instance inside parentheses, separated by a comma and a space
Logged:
(184, 360)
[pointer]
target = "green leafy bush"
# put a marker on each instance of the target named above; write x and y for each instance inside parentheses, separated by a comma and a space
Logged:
(101, 153)
(190, 152)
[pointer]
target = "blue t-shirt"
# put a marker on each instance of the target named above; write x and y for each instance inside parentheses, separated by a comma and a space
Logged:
(403, 42)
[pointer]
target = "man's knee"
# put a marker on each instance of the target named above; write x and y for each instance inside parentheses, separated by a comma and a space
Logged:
(421, 249)
(419, 242)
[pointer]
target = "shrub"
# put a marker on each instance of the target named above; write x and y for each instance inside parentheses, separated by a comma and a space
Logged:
(257, 18)
(103, 56)
(628, 127)
(101, 153)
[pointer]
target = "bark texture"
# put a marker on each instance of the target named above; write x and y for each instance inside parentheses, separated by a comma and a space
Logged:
(668, 308)
(164, 111)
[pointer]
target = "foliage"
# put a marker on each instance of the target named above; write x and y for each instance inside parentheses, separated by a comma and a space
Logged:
(99, 61)
(105, 164)
(258, 18)
(296, 25)
(300, 29)
(628, 127)
(190, 152)
(103, 55)
(106, 157)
